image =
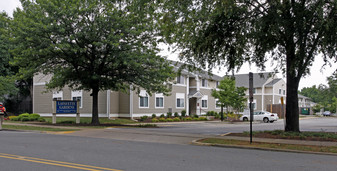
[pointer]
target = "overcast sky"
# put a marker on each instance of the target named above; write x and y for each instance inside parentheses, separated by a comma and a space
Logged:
(315, 78)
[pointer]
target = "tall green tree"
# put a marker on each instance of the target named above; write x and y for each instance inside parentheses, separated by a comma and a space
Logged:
(7, 82)
(230, 32)
(91, 45)
(229, 96)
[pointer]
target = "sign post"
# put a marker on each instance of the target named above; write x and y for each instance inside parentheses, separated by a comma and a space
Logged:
(66, 107)
(251, 105)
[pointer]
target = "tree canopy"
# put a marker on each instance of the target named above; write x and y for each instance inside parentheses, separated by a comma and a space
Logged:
(230, 32)
(91, 45)
(229, 96)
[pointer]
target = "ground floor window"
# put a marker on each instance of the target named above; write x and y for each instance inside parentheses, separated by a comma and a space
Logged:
(77, 95)
(204, 102)
(143, 99)
(159, 100)
(180, 100)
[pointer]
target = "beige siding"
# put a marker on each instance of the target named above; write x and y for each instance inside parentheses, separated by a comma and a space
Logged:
(40, 78)
(42, 101)
(210, 101)
(124, 103)
(169, 102)
(193, 82)
(114, 102)
(268, 90)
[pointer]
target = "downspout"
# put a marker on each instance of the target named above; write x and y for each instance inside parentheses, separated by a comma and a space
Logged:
(108, 92)
(262, 94)
(187, 93)
(131, 103)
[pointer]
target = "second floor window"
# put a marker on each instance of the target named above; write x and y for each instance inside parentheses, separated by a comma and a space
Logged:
(180, 79)
(203, 83)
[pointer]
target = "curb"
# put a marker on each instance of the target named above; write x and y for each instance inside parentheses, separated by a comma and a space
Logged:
(195, 142)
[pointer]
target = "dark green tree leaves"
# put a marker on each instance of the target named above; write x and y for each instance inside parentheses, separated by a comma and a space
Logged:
(91, 45)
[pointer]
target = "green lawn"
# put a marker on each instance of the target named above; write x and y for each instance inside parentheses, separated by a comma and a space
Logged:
(87, 120)
(310, 148)
(35, 128)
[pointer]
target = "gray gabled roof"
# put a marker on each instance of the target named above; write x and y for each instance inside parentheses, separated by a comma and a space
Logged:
(242, 80)
(201, 73)
(272, 82)
(303, 97)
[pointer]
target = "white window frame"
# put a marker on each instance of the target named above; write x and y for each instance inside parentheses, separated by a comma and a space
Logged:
(217, 107)
(217, 83)
(284, 92)
(143, 94)
(280, 91)
(159, 95)
(180, 96)
(78, 93)
(204, 83)
(181, 80)
(254, 101)
(205, 97)
(58, 95)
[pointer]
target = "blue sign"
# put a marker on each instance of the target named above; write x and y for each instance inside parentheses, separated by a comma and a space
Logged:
(66, 107)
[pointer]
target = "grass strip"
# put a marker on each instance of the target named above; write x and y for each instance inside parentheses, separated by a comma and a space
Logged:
(35, 128)
(311, 148)
(295, 135)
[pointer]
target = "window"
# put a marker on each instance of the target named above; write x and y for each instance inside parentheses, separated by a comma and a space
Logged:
(57, 95)
(203, 83)
(284, 92)
(181, 80)
(143, 99)
(279, 91)
(217, 84)
(77, 95)
(217, 104)
(204, 102)
(254, 90)
(180, 100)
(159, 100)
(253, 104)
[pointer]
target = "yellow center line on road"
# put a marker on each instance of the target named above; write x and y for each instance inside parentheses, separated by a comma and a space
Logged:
(55, 163)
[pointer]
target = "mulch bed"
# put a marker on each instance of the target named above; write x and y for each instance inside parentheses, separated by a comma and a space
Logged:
(268, 135)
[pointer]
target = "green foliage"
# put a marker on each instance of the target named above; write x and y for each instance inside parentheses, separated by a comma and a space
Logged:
(229, 95)
(169, 114)
(169, 120)
(176, 119)
(154, 120)
(162, 116)
(162, 119)
(91, 45)
(231, 32)
(183, 113)
(26, 117)
(188, 119)
(176, 114)
(154, 115)
(211, 113)
(143, 118)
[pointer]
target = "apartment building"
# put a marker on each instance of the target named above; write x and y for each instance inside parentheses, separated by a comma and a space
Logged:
(191, 92)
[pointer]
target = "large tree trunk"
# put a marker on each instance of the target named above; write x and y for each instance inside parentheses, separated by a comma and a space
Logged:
(95, 119)
(292, 113)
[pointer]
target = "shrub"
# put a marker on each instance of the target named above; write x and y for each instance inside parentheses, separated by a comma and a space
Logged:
(188, 119)
(143, 118)
(196, 116)
(154, 120)
(176, 119)
(162, 120)
(169, 120)
(15, 118)
(202, 119)
(25, 119)
(183, 113)
(176, 114)
(67, 122)
(169, 114)
(154, 115)
(42, 119)
(162, 116)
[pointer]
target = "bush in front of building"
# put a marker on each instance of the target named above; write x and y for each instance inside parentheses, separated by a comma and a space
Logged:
(154, 120)
(154, 116)
(176, 114)
(183, 113)
(169, 120)
(162, 120)
(162, 116)
(143, 118)
(188, 119)
(26, 117)
(169, 114)
(176, 119)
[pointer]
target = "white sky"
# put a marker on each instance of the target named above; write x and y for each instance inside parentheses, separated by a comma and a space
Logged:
(316, 77)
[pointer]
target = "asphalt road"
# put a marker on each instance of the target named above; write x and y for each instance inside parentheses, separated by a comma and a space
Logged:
(41, 152)
(327, 124)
